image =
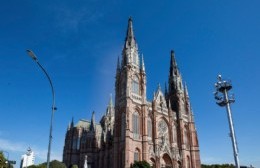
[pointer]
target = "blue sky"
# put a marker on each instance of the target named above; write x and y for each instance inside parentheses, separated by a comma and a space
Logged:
(78, 43)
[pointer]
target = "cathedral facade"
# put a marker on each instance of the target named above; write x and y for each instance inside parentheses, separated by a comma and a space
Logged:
(161, 132)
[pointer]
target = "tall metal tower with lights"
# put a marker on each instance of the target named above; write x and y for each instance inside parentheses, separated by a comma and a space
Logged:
(224, 99)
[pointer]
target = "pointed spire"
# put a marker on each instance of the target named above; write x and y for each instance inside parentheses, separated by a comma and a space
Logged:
(111, 101)
(130, 38)
(142, 66)
(186, 90)
(118, 64)
(130, 31)
(173, 66)
(130, 53)
(68, 126)
(110, 107)
(92, 124)
(72, 123)
(159, 86)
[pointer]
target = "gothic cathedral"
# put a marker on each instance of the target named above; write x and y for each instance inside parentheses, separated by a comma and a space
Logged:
(161, 132)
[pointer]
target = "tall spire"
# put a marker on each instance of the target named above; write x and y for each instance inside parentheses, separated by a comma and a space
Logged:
(110, 101)
(72, 123)
(110, 107)
(175, 92)
(130, 39)
(173, 66)
(130, 52)
(118, 64)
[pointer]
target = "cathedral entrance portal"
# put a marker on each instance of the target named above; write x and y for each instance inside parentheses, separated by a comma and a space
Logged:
(152, 162)
(166, 161)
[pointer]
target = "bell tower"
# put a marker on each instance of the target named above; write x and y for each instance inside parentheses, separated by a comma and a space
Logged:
(130, 103)
(178, 96)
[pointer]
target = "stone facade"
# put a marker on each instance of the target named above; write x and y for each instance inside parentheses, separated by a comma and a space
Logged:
(161, 131)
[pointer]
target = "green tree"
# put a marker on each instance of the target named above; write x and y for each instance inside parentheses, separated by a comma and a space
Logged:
(141, 164)
(74, 166)
(53, 164)
(218, 166)
(4, 162)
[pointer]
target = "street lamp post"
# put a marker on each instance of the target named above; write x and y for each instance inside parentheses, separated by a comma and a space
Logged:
(224, 99)
(33, 56)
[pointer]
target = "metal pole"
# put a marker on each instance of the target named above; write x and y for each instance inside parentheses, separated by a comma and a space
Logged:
(222, 98)
(33, 56)
(231, 126)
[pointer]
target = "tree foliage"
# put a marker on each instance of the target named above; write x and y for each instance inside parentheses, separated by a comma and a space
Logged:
(53, 164)
(4, 161)
(218, 166)
(141, 164)
(74, 166)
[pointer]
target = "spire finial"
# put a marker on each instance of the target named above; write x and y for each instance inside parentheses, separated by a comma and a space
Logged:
(72, 122)
(110, 100)
(159, 86)
(173, 66)
(130, 39)
(130, 31)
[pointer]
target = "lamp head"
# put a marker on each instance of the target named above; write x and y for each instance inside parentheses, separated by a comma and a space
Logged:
(32, 55)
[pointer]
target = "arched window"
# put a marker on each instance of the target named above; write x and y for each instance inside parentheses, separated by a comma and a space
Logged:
(136, 155)
(135, 85)
(166, 161)
(149, 128)
(152, 162)
(136, 125)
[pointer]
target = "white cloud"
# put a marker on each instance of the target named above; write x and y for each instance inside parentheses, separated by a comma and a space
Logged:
(20, 147)
(12, 146)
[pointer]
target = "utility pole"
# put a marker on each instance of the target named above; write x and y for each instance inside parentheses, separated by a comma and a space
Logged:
(224, 99)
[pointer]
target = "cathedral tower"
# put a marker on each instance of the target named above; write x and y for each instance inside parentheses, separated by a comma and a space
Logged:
(178, 96)
(130, 107)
